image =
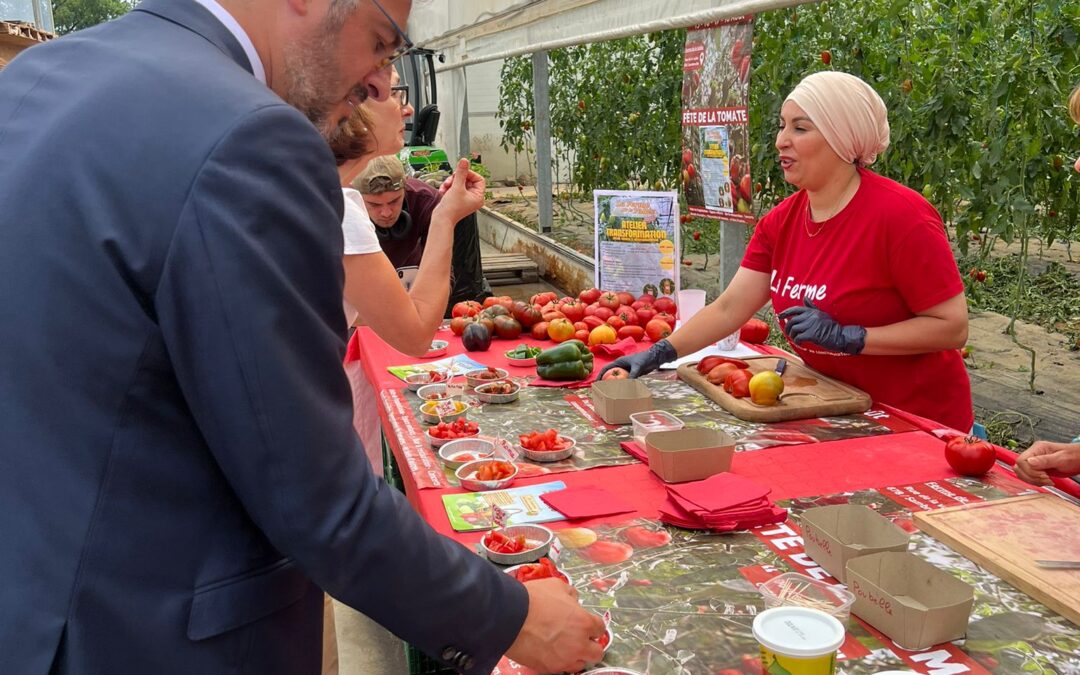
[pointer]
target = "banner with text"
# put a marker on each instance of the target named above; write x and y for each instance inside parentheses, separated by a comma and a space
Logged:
(716, 120)
(637, 241)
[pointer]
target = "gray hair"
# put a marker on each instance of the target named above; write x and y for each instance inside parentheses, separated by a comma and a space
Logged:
(339, 11)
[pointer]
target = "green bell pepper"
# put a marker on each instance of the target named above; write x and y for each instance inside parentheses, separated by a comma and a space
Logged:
(570, 360)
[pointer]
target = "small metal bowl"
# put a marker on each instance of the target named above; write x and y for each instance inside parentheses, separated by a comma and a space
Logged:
(473, 381)
(417, 380)
(438, 348)
(427, 412)
(479, 448)
(565, 577)
(465, 472)
(485, 397)
(433, 392)
(553, 456)
(541, 536)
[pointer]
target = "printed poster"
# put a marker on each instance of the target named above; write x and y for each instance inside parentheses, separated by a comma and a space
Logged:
(716, 122)
(637, 241)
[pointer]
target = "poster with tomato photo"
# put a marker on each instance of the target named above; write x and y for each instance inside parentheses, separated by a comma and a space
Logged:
(637, 242)
(716, 123)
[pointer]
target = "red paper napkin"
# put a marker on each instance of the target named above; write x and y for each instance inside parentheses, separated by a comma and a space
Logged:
(722, 503)
(633, 449)
(586, 502)
(720, 492)
(621, 348)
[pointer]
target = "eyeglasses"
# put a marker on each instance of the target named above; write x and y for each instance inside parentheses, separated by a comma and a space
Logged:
(400, 93)
(404, 48)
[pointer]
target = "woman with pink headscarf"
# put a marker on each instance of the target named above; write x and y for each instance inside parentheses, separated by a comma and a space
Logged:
(858, 267)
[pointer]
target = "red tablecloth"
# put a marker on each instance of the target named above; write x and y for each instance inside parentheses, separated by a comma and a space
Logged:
(792, 471)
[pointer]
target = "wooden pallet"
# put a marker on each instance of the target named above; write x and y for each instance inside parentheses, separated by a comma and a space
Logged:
(509, 268)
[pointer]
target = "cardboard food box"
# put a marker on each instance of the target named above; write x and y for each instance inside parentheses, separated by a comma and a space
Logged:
(916, 604)
(689, 454)
(832, 535)
(616, 400)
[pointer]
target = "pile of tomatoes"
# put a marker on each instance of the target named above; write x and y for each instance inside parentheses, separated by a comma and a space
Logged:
(544, 441)
(500, 543)
(493, 470)
(545, 569)
(461, 428)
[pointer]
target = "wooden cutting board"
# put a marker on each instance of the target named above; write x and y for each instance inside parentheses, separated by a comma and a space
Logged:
(807, 393)
(1007, 536)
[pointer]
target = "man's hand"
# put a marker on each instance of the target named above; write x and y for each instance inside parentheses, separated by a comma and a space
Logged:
(463, 193)
(558, 634)
(1044, 459)
(807, 323)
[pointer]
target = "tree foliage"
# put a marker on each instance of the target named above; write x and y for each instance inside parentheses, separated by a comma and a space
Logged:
(976, 93)
(73, 15)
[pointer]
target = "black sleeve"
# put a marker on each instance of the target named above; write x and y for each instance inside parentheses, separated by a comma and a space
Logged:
(467, 267)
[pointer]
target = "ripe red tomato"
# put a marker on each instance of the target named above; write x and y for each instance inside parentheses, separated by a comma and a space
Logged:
(625, 298)
(539, 331)
(616, 374)
(467, 308)
(610, 301)
(589, 296)
(664, 304)
(657, 330)
(754, 331)
(970, 456)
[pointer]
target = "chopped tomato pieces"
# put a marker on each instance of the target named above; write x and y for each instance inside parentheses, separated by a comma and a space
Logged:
(494, 470)
(460, 428)
(500, 543)
(544, 441)
(545, 569)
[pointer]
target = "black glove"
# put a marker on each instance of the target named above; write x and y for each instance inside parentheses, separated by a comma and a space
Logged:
(643, 363)
(810, 324)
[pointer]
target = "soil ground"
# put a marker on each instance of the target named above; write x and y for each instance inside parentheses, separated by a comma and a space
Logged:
(999, 369)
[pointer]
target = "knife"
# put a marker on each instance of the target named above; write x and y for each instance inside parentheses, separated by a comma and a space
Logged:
(1059, 564)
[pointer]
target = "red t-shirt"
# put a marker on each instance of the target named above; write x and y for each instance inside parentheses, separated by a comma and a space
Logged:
(881, 260)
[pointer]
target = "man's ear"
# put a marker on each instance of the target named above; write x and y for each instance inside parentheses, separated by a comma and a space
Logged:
(300, 7)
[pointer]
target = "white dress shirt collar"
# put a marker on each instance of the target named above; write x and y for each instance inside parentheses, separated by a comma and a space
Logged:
(222, 15)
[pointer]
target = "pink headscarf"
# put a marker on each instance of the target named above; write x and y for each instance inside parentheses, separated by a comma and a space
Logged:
(848, 112)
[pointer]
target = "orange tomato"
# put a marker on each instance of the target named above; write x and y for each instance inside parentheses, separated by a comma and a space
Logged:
(560, 330)
(602, 335)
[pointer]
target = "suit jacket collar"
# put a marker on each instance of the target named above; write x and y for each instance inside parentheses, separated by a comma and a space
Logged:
(197, 19)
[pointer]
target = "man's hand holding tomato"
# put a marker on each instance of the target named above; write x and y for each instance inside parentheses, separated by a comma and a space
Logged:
(558, 634)
(1045, 459)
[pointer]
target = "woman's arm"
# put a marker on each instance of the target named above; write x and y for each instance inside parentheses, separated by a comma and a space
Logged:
(943, 326)
(746, 294)
(408, 321)
(373, 288)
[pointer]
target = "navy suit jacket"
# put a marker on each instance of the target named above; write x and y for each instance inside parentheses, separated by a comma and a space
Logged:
(179, 474)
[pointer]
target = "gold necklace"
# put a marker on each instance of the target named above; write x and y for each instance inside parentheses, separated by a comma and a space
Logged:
(844, 200)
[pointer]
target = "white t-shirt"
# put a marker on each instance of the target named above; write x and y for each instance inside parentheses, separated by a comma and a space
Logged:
(360, 237)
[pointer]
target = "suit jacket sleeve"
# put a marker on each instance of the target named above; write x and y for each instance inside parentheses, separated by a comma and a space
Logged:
(250, 306)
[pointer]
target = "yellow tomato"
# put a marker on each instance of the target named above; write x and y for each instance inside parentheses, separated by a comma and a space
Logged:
(603, 335)
(766, 387)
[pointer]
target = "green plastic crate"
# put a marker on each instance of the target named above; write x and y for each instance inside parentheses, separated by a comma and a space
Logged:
(420, 663)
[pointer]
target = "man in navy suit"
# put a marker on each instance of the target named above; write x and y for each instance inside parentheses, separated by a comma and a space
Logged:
(179, 475)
